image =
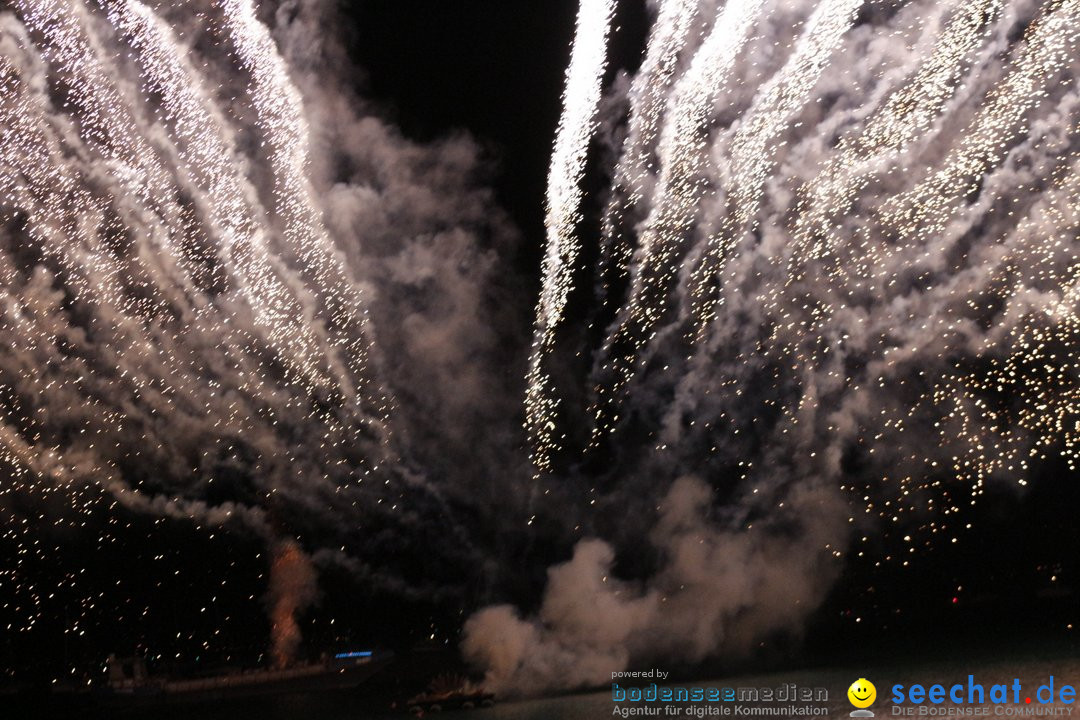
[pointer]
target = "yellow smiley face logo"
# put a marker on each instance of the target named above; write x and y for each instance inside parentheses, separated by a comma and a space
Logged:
(862, 693)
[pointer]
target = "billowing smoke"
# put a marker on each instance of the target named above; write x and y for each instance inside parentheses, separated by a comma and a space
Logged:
(833, 296)
(293, 588)
(234, 298)
(714, 591)
(836, 267)
(425, 234)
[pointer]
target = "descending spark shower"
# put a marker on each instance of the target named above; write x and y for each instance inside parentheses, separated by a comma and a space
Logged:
(194, 424)
(834, 296)
(828, 297)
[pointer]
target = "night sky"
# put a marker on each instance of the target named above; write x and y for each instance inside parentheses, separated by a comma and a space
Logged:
(606, 332)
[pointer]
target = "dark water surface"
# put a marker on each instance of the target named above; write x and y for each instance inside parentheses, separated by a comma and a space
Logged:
(1033, 670)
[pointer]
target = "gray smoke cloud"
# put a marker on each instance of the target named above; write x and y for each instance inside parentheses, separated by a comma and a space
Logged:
(717, 590)
(233, 295)
(425, 235)
(835, 256)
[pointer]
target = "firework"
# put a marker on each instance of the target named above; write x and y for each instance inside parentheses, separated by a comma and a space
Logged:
(581, 98)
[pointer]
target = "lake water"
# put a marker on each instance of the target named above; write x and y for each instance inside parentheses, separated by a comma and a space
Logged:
(1032, 670)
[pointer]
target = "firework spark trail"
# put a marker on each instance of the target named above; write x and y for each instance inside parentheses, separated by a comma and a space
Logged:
(208, 174)
(751, 161)
(1007, 401)
(679, 154)
(580, 102)
(931, 85)
(280, 116)
(205, 147)
(1013, 411)
(1030, 354)
(149, 317)
(927, 326)
(922, 327)
(205, 156)
(907, 114)
(683, 153)
(111, 128)
(204, 150)
(36, 169)
(106, 122)
(752, 148)
(648, 99)
(62, 217)
(63, 222)
(890, 285)
(922, 324)
(922, 212)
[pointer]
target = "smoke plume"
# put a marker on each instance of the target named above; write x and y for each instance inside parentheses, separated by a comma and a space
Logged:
(830, 294)
(235, 300)
(714, 591)
(293, 588)
(831, 273)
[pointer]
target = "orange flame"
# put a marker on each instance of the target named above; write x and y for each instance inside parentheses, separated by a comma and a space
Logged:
(292, 589)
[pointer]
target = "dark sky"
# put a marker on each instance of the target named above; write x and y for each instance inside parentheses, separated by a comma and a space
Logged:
(491, 67)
